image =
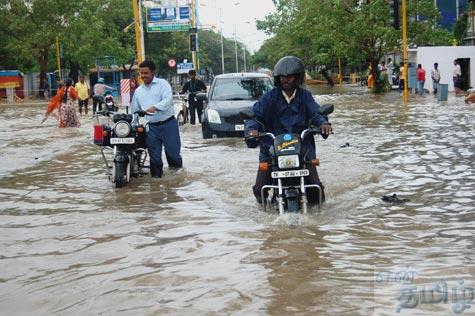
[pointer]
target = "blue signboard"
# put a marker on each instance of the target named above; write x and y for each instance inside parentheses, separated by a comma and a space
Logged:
(183, 68)
(161, 14)
(184, 13)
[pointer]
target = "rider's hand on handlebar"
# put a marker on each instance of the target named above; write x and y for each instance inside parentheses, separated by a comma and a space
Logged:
(326, 128)
(252, 133)
(151, 109)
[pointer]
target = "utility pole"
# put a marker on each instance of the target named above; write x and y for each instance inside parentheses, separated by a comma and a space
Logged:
(405, 95)
(244, 54)
(139, 41)
(194, 56)
(58, 58)
(235, 48)
(222, 44)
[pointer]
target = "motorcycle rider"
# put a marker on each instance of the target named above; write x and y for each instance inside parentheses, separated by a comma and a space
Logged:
(98, 97)
(193, 86)
(287, 108)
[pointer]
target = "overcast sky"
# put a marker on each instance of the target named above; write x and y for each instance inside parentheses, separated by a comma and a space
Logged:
(239, 13)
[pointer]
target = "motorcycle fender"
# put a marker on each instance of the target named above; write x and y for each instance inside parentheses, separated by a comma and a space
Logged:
(121, 158)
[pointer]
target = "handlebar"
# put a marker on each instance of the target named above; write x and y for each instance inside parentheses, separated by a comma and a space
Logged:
(304, 133)
(142, 113)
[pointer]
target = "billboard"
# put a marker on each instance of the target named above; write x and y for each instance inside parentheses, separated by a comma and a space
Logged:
(168, 19)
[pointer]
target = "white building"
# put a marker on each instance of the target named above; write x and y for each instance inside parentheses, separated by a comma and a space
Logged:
(444, 56)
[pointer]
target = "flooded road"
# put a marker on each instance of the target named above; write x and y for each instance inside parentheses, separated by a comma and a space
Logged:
(196, 243)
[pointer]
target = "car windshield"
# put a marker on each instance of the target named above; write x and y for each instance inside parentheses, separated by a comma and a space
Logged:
(240, 88)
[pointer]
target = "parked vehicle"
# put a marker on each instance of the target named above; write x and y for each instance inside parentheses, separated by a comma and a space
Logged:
(109, 102)
(127, 140)
(289, 168)
(183, 115)
(228, 95)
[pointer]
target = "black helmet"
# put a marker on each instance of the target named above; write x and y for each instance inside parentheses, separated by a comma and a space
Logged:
(289, 65)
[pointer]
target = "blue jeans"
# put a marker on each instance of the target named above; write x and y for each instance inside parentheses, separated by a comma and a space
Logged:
(168, 136)
(420, 87)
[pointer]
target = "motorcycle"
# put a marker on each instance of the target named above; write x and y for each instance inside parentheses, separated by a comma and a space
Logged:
(183, 116)
(109, 102)
(289, 167)
(126, 139)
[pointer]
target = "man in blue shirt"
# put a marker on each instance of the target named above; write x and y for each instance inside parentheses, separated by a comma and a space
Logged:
(287, 108)
(155, 97)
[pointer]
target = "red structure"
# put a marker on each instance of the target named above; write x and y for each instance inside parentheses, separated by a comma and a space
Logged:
(11, 79)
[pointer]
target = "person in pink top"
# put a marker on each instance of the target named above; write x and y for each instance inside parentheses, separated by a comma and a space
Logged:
(421, 79)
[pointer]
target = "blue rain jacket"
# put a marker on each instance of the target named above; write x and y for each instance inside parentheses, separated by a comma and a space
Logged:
(279, 117)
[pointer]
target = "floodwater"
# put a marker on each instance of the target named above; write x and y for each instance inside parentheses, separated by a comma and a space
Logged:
(196, 243)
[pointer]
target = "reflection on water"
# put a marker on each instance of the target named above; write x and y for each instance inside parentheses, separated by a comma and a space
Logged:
(195, 242)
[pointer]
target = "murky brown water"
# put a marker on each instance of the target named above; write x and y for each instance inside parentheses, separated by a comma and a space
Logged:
(195, 242)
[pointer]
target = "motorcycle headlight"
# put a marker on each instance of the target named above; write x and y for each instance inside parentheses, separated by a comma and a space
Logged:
(288, 162)
(122, 129)
(213, 116)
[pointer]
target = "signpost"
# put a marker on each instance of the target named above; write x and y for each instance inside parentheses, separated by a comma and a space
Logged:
(183, 68)
(168, 19)
(171, 63)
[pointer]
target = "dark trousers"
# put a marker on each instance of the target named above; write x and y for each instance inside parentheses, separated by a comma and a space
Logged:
(401, 84)
(199, 108)
(168, 136)
(82, 103)
(264, 178)
(97, 101)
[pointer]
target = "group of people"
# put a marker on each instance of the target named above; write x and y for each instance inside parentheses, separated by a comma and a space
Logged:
(68, 93)
(288, 108)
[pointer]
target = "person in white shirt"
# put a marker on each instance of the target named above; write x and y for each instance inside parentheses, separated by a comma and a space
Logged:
(457, 76)
(435, 75)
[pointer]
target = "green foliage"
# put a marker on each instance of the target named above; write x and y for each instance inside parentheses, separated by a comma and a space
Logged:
(357, 32)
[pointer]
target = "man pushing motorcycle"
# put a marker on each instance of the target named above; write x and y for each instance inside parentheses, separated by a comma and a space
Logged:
(287, 108)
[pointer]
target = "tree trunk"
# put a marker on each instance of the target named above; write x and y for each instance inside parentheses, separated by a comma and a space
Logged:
(43, 61)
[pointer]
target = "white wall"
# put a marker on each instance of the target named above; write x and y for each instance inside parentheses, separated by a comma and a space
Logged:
(445, 55)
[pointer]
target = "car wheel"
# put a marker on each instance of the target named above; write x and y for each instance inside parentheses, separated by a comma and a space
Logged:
(206, 131)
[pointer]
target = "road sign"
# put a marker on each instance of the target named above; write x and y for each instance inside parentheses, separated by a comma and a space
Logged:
(183, 68)
(171, 63)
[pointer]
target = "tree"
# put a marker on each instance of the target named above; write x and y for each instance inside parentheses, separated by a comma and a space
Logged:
(87, 29)
(354, 31)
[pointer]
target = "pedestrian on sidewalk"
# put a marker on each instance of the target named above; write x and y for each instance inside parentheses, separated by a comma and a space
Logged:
(435, 75)
(421, 79)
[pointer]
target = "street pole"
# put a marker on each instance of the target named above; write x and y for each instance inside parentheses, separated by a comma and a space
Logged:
(405, 95)
(139, 41)
(193, 25)
(244, 54)
(58, 58)
(222, 44)
(235, 48)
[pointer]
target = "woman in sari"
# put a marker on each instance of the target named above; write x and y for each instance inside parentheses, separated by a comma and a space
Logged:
(63, 101)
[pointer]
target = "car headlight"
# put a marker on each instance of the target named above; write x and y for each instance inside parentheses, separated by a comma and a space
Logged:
(288, 162)
(122, 129)
(213, 116)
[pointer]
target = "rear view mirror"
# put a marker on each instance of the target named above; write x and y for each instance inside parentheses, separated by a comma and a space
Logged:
(201, 96)
(246, 114)
(326, 109)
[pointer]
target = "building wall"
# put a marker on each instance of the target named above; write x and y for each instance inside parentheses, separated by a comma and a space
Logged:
(445, 55)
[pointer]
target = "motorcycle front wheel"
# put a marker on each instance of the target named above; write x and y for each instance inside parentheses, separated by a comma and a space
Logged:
(181, 118)
(120, 174)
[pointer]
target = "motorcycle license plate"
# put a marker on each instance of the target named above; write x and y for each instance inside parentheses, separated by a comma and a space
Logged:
(120, 141)
(290, 173)
(239, 127)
